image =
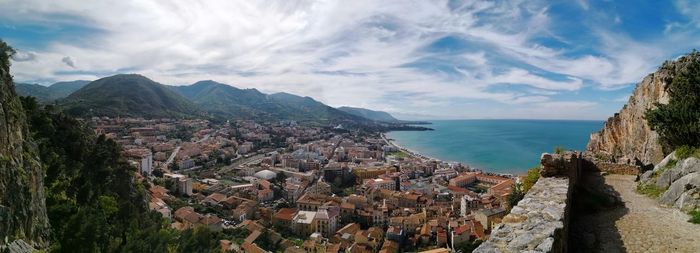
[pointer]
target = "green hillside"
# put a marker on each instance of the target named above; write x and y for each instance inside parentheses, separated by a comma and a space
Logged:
(127, 95)
(369, 114)
(231, 102)
(48, 94)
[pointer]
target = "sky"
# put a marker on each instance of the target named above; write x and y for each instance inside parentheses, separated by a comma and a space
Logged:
(416, 59)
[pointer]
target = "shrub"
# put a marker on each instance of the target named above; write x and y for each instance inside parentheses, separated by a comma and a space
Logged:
(532, 176)
(678, 122)
(559, 150)
(685, 151)
(650, 190)
(694, 217)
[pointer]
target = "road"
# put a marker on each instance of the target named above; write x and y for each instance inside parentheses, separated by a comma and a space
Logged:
(171, 158)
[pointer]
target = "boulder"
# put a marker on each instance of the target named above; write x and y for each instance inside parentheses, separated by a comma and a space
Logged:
(685, 186)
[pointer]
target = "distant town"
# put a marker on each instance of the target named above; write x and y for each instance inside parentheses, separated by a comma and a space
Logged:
(285, 187)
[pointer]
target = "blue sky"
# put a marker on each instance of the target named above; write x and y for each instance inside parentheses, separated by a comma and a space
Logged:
(415, 59)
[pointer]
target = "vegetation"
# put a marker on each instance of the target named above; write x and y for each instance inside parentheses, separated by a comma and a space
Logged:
(230, 102)
(399, 154)
(686, 151)
(533, 175)
(516, 194)
(650, 190)
(127, 95)
(694, 217)
(93, 202)
(51, 93)
(678, 122)
(467, 247)
(369, 114)
(559, 150)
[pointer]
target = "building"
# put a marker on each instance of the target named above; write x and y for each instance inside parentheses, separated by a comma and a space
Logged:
(489, 216)
(181, 182)
(302, 223)
(463, 179)
(468, 203)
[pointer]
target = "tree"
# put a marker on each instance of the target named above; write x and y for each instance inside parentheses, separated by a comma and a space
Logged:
(678, 122)
(516, 194)
(467, 247)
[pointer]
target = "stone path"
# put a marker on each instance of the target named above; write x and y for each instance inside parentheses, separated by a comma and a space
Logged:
(640, 226)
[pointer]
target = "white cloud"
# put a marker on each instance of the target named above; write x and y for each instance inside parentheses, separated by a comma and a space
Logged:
(357, 53)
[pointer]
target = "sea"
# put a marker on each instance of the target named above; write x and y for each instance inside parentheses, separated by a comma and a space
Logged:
(501, 146)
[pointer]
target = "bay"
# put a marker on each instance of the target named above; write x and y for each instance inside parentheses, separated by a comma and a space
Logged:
(502, 146)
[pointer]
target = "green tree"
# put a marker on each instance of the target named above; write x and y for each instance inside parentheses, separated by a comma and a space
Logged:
(678, 122)
(516, 194)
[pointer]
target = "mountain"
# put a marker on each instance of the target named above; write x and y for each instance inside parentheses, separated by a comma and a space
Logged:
(22, 203)
(40, 92)
(47, 94)
(127, 95)
(64, 89)
(369, 114)
(627, 135)
(225, 100)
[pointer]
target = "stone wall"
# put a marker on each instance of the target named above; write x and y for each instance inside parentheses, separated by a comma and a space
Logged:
(616, 168)
(539, 223)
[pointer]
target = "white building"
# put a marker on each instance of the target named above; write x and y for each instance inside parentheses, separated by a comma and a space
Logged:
(147, 164)
(182, 182)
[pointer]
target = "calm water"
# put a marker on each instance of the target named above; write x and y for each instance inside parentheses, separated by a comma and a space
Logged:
(505, 146)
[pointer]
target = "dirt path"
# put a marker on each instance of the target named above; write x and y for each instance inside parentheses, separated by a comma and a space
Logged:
(641, 225)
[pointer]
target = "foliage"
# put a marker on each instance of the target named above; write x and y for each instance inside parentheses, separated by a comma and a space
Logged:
(467, 247)
(650, 190)
(686, 151)
(127, 95)
(678, 122)
(533, 175)
(93, 202)
(559, 150)
(516, 194)
(694, 217)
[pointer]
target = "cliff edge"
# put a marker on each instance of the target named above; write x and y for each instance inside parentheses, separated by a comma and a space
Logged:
(22, 201)
(626, 137)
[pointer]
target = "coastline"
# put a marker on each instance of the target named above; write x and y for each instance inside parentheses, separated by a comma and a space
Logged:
(413, 153)
(409, 151)
(429, 158)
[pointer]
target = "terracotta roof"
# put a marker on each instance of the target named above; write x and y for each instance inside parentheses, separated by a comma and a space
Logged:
(286, 214)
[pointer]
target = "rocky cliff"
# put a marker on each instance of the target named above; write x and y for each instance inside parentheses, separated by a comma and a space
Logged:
(22, 203)
(626, 136)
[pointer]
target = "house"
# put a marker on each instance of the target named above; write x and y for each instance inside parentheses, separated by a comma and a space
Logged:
(488, 216)
(395, 233)
(302, 223)
(284, 217)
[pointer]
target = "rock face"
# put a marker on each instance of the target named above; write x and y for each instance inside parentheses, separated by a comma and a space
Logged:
(22, 201)
(680, 178)
(626, 137)
(539, 223)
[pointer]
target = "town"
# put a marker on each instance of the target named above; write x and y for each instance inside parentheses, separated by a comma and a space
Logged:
(288, 187)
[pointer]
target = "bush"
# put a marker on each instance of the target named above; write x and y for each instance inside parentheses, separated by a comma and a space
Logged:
(532, 176)
(516, 194)
(559, 150)
(650, 190)
(678, 122)
(685, 151)
(694, 217)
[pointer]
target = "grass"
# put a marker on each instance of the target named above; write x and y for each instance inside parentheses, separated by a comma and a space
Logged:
(650, 190)
(400, 154)
(694, 217)
(684, 152)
